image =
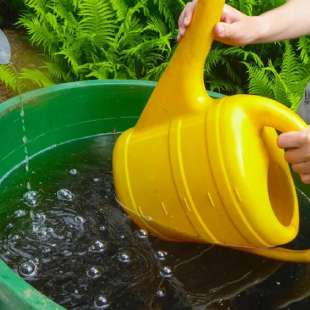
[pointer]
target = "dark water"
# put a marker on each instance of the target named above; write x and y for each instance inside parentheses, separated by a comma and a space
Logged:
(70, 239)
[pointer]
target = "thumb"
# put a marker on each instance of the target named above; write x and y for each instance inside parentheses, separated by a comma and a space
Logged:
(232, 34)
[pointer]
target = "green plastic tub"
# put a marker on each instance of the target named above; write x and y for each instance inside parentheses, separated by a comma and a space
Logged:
(55, 115)
(66, 112)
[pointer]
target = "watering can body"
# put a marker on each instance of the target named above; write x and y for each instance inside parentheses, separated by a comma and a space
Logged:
(209, 170)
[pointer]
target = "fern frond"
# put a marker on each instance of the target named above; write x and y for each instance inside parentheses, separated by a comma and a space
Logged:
(121, 8)
(259, 81)
(36, 76)
(8, 76)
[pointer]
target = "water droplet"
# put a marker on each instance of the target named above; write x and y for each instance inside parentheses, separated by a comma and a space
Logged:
(25, 139)
(65, 194)
(22, 113)
(98, 246)
(166, 272)
(124, 257)
(31, 198)
(29, 268)
(10, 225)
(96, 180)
(102, 228)
(101, 302)
(73, 172)
(79, 219)
(20, 213)
(161, 255)
(94, 272)
(142, 234)
(161, 292)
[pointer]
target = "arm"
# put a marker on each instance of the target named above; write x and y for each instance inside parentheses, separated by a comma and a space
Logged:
(288, 21)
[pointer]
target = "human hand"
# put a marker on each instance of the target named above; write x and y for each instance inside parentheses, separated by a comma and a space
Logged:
(298, 143)
(235, 28)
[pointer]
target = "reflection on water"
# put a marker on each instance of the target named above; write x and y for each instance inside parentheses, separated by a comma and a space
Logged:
(70, 239)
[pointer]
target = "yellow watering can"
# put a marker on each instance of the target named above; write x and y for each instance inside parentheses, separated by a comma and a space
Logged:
(209, 170)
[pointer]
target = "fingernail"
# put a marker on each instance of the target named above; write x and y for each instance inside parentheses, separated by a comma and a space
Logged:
(186, 21)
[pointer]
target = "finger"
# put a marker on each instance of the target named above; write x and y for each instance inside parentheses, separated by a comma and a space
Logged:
(302, 168)
(305, 178)
(290, 140)
(182, 31)
(232, 34)
(181, 18)
(189, 13)
(296, 156)
(230, 15)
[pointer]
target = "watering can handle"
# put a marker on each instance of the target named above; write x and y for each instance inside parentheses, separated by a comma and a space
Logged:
(181, 89)
(273, 114)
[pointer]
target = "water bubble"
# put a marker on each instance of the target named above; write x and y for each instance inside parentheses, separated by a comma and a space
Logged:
(96, 180)
(15, 237)
(40, 217)
(161, 255)
(161, 293)
(20, 213)
(98, 246)
(79, 219)
(142, 234)
(102, 228)
(29, 268)
(124, 257)
(101, 302)
(66, 253)
(65, 194)
(166, 272)
(94, 272)
(40, 231)
(73, 172)
(46, 249)
(31, 198)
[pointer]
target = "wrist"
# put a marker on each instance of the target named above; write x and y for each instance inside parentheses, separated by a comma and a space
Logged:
(261, 31)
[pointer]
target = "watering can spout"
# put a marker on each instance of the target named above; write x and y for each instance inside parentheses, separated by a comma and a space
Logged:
(5, 49)
(209, 170)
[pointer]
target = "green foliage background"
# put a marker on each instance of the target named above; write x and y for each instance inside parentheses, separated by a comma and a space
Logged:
(135, 39)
